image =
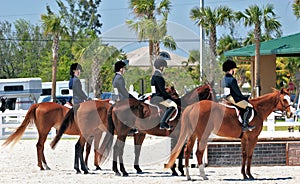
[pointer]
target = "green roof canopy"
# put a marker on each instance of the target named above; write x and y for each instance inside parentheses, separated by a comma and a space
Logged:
(282, 47)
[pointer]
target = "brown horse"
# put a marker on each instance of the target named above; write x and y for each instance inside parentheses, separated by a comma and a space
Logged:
(2, 104)
(149, 125)
(91, 119)
(200, 119)
(45, 116)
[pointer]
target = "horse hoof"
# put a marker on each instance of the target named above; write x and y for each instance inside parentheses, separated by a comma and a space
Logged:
(174, 174)
(117, 174)
(125, 174)
(140, 172)
(86, 172)
(78, 172)
(98, 168)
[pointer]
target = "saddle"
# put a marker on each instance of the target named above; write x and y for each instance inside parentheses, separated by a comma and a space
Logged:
(239, 111)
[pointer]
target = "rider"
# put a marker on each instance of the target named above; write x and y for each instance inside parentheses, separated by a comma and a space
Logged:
(119, 81)
(119, 84)
(159, 94)
(75, 84)
(234, 95)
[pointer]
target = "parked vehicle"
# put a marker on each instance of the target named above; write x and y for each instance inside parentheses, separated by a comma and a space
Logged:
(21, 93)
(59, 99)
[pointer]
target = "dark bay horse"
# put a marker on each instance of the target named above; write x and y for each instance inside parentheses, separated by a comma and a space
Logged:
(200, 119)
(45, 116)
(2, 104)
(148, 125)
(91, 119)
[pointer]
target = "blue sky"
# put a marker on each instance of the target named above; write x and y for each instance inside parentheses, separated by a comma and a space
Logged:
(115, 12)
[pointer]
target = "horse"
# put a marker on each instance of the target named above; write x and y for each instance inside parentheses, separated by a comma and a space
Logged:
(149, 125)
(2, 104)
(92, 121)
(200, 119)
(45, 115)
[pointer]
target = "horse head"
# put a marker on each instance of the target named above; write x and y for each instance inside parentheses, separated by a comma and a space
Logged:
(204, 92)
(139, 108)
(2, 104)
(172, 92)
(284, 102)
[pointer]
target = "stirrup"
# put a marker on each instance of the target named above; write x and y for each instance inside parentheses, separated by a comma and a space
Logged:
(165, 126)
(247, 128)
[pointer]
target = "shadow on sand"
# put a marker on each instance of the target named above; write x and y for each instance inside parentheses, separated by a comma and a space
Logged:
(261, 179)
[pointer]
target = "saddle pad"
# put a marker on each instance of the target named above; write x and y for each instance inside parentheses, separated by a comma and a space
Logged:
(238, 112)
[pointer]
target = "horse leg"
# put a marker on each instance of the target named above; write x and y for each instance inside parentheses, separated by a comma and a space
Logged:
(244, 157)
(115, 159)
(79, 156)
(199, 153)
(76, 160)
(97, 137)
(173, 168)
(180, 165)
(88, 150)
(81, 159)
(138, 141)
(250, 148)
(40, 151)
(120, 153)
(187, 152)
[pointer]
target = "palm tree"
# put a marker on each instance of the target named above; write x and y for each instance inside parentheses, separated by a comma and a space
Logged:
(209, 20)
(296, 8)
(227, 43)
(148, 27)
(53, 27)
(95, 56)
(259, 17)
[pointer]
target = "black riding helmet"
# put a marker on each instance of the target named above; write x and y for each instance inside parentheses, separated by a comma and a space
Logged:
(228, 65)
(159, 63)
(120, 64)
(75, 66)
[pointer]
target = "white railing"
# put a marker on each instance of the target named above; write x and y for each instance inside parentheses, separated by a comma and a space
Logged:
(10, 120)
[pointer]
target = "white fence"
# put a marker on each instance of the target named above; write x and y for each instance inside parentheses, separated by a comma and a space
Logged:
(10, 120)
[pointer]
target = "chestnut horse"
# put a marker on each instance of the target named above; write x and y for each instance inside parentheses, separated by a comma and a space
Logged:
(200, 119)
(92, 121)
(45, 116)
(149, 125)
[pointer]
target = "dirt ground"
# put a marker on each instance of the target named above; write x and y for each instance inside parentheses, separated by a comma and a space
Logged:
(19, 165)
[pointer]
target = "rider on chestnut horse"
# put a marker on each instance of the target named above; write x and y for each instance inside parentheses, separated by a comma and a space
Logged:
(160, 96)
(233, 94)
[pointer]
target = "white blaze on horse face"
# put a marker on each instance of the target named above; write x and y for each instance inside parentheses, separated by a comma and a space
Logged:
(288, 99)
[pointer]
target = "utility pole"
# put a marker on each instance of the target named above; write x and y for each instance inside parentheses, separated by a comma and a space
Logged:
(201, 46)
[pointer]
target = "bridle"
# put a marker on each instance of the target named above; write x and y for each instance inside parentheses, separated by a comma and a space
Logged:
(285, 107)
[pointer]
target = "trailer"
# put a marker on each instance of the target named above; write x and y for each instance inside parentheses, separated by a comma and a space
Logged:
(21, 93)
(62, 90)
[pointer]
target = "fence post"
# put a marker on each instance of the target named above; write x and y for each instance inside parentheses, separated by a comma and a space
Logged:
(271, 122)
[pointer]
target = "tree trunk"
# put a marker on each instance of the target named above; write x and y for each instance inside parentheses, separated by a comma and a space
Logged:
(96, 82)
(151, 54)
(55, 46)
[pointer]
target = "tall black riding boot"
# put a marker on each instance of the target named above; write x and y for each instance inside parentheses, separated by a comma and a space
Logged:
(167, 115)
(246, 117)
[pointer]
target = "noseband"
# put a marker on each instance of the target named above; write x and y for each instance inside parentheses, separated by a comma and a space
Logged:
(284, 106)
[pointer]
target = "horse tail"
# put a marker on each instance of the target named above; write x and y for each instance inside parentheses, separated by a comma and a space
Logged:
(105, 149)
(29, 119)
(67, 121)
(185, 132)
